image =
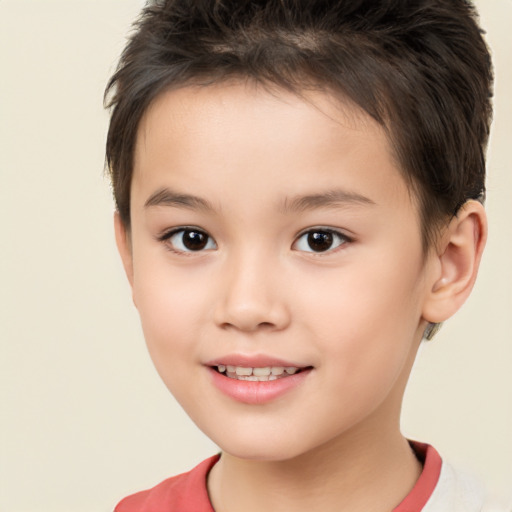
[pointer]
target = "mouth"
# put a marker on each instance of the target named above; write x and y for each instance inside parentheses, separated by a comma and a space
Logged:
(258, 374)
(256, 380)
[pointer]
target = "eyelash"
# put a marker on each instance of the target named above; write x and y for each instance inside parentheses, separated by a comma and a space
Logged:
(165, 238)
(342, 238)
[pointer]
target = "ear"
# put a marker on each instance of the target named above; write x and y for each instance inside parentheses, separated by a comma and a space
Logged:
(124, 246)
(456, 263)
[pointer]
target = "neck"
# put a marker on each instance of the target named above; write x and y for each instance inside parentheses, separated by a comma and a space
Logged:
(335, 477)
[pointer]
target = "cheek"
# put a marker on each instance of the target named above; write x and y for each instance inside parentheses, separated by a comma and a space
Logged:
(172, 309)
(366, 296)
(364, 322)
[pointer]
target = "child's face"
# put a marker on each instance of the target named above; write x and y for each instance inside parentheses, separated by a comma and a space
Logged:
(303, 249)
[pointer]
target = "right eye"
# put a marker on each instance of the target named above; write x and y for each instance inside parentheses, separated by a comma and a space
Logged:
(188, 240)
(321, 240)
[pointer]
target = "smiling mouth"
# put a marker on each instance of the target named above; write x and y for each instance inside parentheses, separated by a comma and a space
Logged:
(263, 374)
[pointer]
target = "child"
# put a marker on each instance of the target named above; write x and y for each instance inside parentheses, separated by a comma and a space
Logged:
(299, 189)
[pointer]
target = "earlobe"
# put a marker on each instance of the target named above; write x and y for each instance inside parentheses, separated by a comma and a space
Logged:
(457, 261)
(124, 246)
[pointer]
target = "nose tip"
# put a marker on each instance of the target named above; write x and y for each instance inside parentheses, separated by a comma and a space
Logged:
(251, 301)
(253, 317)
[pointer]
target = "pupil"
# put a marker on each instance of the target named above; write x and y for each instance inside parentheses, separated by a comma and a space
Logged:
(320, 240)
(194, 240)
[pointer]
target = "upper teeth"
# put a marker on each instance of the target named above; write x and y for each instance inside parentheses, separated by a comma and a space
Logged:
(265, 371)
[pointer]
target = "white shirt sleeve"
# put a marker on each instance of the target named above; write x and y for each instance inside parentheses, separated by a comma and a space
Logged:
(459, 492)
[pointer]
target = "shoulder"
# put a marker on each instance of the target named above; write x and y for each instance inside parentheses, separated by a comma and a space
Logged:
(442, 488)
(457, 491)
(184, 493)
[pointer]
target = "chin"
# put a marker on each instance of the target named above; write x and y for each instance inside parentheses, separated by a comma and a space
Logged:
(262, 453)
(263, 447)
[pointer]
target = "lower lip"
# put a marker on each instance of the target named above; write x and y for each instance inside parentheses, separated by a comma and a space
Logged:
(249, 392)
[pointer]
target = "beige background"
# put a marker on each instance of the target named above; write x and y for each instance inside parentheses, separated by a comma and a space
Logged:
(85, 419)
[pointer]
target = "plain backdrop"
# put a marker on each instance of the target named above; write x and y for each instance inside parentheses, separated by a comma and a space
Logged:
(85, 419)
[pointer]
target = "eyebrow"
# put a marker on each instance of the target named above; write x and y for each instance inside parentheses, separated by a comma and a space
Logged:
(167, 197)
(331, 198)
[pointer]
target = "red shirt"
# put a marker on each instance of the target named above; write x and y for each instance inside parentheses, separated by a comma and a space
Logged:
(187, 492)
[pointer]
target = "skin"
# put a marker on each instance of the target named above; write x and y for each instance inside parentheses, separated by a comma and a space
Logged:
(355, 313)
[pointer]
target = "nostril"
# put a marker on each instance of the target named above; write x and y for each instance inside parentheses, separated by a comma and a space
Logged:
(266, 325)
(247, 325)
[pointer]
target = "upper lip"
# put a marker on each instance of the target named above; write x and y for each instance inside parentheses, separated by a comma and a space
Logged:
(252, 361)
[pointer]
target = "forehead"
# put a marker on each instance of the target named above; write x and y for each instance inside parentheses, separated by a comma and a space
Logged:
(243, 136)
(243, 112)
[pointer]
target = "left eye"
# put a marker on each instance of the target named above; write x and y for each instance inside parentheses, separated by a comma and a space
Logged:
(190, 240)
(320, 240)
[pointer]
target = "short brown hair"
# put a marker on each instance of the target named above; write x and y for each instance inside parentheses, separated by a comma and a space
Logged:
(419, 67)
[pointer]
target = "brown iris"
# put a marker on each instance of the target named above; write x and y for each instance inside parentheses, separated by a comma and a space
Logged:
(320, 241)
(194, 240)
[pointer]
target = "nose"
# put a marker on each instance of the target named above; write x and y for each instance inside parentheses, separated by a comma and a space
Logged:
(252, 296)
